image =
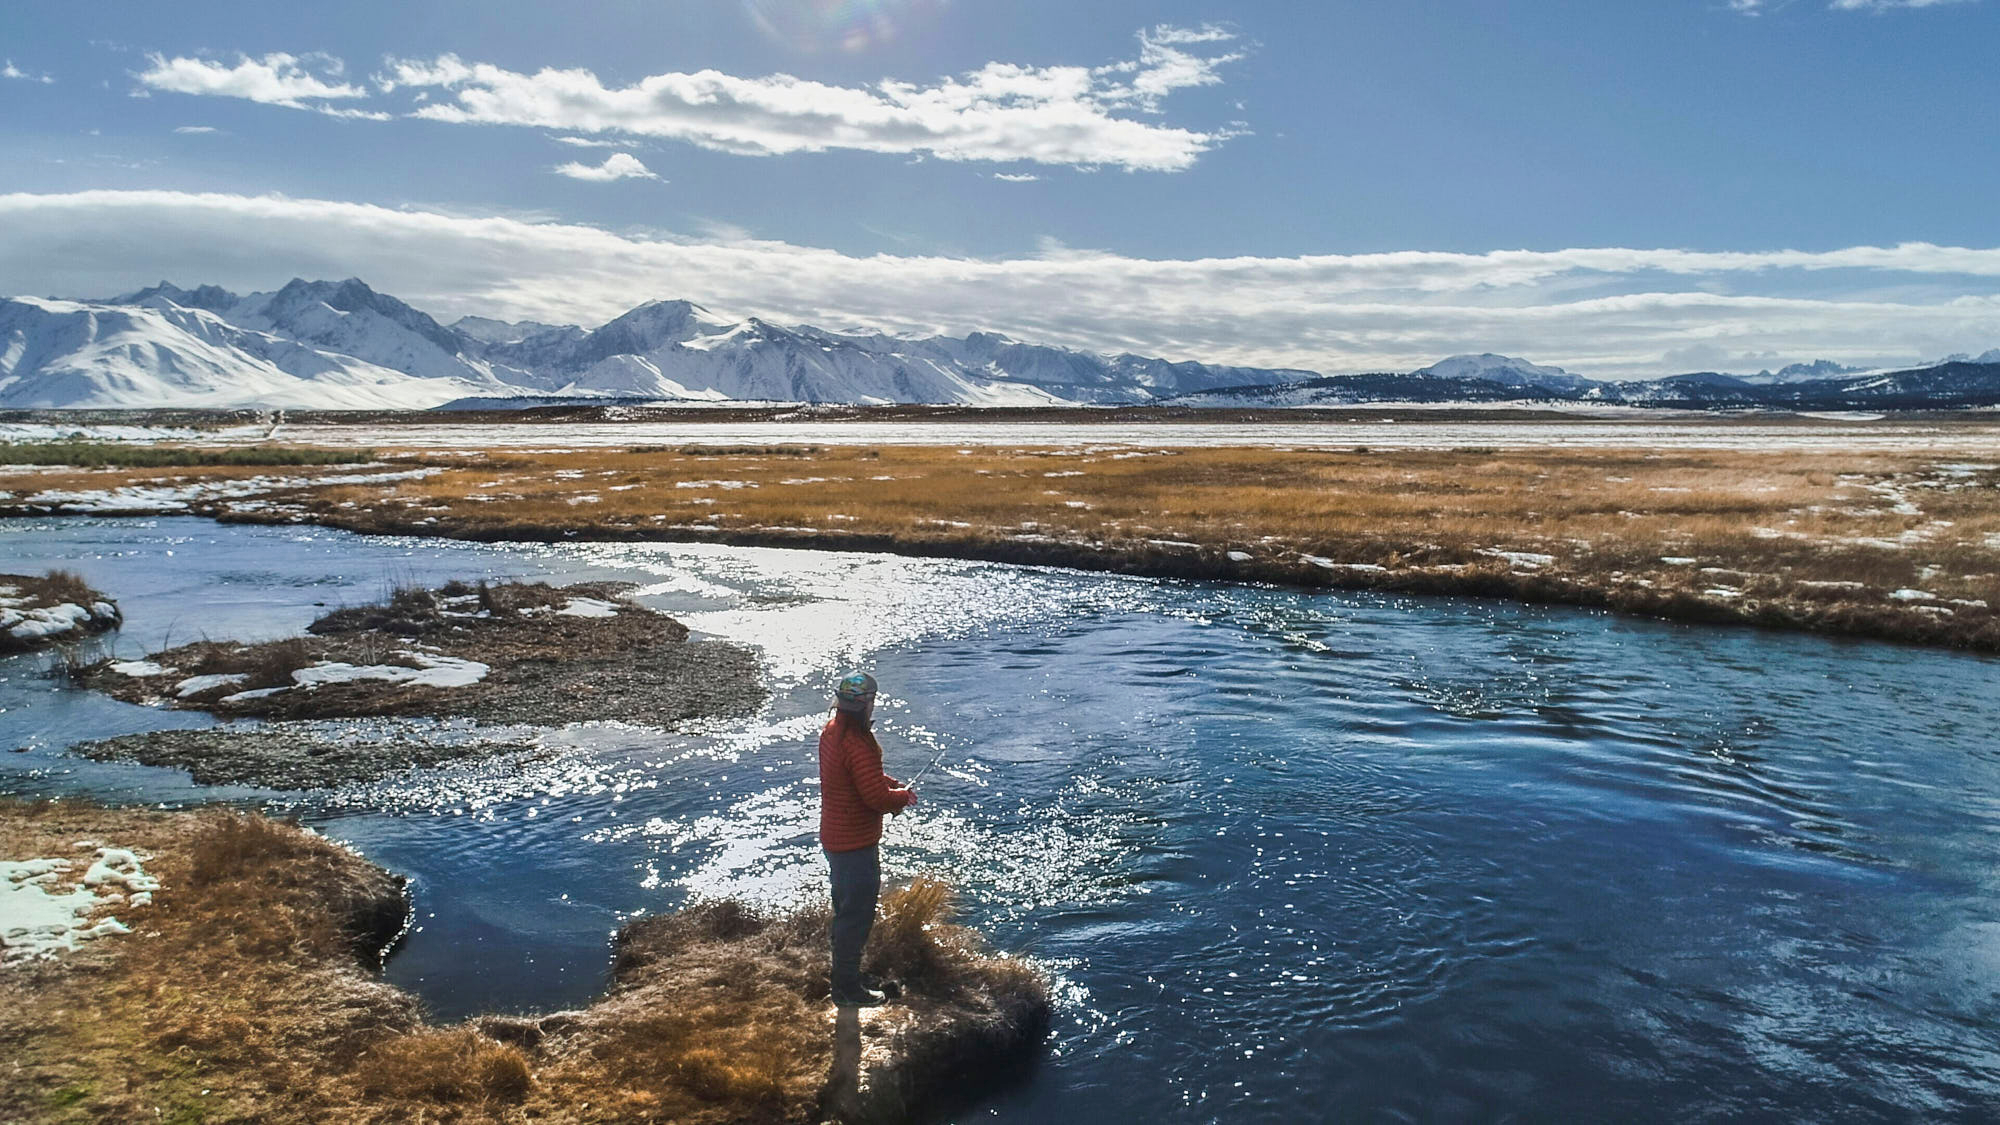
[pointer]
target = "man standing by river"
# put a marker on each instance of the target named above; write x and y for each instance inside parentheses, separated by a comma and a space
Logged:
(854, 794)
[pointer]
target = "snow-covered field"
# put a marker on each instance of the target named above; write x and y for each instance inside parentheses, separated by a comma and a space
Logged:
(1973, 436)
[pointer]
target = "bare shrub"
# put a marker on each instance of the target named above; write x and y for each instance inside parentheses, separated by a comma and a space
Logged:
(68, 586)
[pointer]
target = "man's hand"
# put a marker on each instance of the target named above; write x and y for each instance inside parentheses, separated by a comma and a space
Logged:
(909, 795)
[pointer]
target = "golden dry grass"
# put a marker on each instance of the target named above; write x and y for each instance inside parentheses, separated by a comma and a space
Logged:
(1796, 538)
(248, 993)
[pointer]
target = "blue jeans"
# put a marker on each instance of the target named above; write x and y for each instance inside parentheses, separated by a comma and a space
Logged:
(857, 883)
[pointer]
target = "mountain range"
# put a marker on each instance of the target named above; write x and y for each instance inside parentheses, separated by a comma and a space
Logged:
(334, 345)
(1953, 383)
(343, 345)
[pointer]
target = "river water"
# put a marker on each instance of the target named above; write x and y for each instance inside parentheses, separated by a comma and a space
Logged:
(1294, 856)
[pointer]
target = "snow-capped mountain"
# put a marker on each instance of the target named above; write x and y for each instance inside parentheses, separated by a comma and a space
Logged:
(316, 343)
(1804, 372)
(1992, 356)
(342, 345)
(73, 353)
(1507, 371)
(490, 331)
(1942, 386)
(1351, 390)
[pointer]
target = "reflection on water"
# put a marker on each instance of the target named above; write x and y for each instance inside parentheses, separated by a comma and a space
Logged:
(1295, 855)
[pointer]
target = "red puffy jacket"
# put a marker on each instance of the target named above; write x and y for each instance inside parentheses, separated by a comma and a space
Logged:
(853, 790)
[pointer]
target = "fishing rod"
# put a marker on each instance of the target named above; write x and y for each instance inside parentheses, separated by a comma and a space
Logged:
(933, 763)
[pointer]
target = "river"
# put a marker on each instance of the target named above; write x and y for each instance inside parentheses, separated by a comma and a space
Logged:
(1293, 855)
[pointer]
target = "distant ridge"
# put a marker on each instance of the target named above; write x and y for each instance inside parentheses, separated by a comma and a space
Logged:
(344, 345)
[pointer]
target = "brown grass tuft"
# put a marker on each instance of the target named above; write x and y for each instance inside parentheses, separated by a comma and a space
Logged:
(68, 586)
(914, 939)
(454, 1067)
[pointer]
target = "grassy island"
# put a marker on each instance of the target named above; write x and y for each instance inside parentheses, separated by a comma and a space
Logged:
(242, 985)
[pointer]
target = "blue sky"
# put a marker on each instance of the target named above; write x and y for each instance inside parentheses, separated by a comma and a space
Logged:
(1696, 183)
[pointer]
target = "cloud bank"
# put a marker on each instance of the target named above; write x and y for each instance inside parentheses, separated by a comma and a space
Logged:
(1002, 112)
(1608, 312)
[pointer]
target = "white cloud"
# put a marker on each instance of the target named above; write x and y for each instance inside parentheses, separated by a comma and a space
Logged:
(584, 142)
(1002, 112)
(1759, 7)
(1606, 311)
(9, 70)
(195, 129)
(1016, 177)
(617, 166)
(276, 79)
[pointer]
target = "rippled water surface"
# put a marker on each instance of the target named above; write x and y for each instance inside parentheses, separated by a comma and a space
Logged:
(1295, 855)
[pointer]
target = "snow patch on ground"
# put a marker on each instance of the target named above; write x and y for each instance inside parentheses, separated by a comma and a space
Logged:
(140, 668)
(51, 621)
(588, 607)
(434, 671)
(195, 685)
(160, 498)
(39, 919)
(1525, 559)
(1329, 564)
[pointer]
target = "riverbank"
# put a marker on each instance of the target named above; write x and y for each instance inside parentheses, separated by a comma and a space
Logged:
(50, 610)
(247, 989)
(1895, 545)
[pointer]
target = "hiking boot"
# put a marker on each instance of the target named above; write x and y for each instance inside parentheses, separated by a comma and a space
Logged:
(862, 997)
(883, 985)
